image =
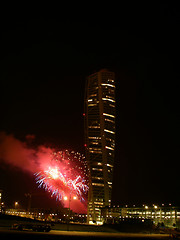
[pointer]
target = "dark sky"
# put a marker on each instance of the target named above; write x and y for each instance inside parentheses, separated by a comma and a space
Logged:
(44, 64)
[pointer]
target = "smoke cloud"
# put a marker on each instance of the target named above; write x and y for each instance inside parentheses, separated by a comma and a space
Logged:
(18, 154)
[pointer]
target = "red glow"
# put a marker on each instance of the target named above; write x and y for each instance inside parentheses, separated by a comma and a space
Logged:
(60, 169)
(64, 173)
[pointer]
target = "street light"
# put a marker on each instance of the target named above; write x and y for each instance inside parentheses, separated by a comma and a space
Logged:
(66, 198)
(16, 204)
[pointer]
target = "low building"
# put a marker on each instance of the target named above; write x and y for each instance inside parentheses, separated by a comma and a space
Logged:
(166, 215)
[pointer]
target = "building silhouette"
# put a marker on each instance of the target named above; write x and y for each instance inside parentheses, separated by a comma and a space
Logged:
(99, 140)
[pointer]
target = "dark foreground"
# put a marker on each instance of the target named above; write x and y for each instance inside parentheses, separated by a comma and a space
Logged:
(9, 231)
(55, 234)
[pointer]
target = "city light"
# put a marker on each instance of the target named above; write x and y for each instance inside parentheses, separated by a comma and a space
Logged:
(66, 198)
(16, 204)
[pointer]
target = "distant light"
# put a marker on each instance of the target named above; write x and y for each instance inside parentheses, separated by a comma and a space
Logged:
(155, 206)
(146, 207)
(74, 197)
(65, 198)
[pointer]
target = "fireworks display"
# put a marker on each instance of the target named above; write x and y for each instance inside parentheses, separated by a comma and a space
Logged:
(65, 173)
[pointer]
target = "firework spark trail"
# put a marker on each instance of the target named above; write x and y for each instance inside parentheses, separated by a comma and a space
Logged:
(66, 172)
(56, 172)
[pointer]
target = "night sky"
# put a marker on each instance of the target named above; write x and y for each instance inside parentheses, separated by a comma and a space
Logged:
(44, 65)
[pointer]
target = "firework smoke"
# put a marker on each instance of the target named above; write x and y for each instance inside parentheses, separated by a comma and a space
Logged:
(59, 172)
(17, 153)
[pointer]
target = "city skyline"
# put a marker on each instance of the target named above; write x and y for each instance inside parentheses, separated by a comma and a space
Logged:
(44, 65)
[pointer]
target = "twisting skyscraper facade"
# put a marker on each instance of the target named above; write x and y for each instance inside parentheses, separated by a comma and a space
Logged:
(100, 139)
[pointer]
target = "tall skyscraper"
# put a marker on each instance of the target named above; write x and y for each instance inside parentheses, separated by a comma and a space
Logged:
(100, 140)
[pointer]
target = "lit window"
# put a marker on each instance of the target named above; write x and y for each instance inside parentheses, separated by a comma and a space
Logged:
(98, 178)
(109, 165)
(98, 184)
(108, 120)
(91, 105)
(98, 152)
(109, 131)
(94, 143)
(107, 96)
(94, 137)
(108, 115)
(100, 203)
(108, 99)
(93, 95)
(110, 80)
(98, 149)
(97, 169)
(109, 148)
(107, 84)
(99, 163)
